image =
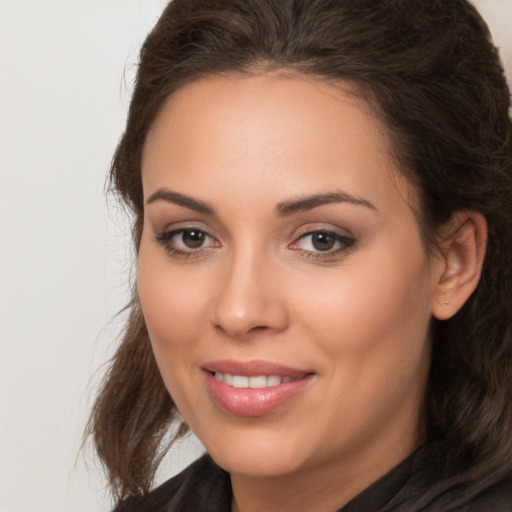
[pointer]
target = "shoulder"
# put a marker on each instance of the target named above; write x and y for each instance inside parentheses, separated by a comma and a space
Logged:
(428, 487)
(201, 486)
(497, 498)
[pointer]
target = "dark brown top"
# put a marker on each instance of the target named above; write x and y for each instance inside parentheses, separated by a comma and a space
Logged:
(412, 485)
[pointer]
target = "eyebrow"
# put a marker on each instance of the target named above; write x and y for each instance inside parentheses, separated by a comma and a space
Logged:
(283, 209)
(309, 202)
(163, 194)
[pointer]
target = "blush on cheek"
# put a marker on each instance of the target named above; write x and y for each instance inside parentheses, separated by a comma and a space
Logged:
(384, 312)
(174, 309)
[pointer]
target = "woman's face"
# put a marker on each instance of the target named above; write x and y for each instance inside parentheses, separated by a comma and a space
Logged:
(283, 279)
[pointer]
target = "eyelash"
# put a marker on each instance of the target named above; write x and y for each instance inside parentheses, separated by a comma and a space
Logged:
(345, 243)
(166, 240)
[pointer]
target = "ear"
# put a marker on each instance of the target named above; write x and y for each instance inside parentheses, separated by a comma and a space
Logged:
(458, 269)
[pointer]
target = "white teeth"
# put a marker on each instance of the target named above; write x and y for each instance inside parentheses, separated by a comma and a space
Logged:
(255, 382)
(273, 380)
(240, 381)
(258, 382)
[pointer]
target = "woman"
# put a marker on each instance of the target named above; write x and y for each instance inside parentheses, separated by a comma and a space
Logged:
(322, 199)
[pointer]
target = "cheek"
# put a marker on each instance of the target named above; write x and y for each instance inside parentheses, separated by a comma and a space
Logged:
(372, 312)
(172, 301)
(372, 331)
(174, 308)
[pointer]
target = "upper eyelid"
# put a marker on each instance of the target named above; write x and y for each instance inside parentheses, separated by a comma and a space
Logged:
(345, 237)
(183, 226)
(168, 232)
(334, 234)
(337, 236)
(322, 228)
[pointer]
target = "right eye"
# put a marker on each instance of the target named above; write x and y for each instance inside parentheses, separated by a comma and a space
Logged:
(185, 242)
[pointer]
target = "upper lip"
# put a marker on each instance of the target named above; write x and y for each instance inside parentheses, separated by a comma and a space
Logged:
(254, 368)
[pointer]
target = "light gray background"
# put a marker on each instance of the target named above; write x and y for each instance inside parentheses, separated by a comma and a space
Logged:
(66, 67)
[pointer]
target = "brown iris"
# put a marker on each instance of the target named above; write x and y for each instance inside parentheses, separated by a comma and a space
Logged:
(193, 239)
(322, 241)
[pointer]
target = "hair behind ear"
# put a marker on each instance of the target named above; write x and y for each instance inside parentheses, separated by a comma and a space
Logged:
(470, 390)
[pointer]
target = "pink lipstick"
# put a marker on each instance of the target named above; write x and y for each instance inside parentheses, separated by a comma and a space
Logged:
(253, 388)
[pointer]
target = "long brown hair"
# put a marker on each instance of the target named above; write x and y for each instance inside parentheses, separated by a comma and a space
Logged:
(429, 69)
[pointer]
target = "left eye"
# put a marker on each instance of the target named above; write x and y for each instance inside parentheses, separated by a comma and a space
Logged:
(322, 241)
(191, 238)
(182, 241)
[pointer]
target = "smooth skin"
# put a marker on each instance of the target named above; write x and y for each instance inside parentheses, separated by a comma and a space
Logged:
(234, 264)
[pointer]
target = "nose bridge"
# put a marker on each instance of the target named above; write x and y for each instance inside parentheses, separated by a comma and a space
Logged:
(247, 300)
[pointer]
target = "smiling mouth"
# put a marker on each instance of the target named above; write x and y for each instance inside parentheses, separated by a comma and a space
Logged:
(258, 392)
(254, 382)
(255, 387)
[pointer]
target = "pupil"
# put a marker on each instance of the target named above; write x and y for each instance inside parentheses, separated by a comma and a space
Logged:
(322, 242)
(193, 239)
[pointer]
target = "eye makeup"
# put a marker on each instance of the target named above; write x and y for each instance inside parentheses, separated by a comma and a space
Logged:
(315, 243)
(187, 242)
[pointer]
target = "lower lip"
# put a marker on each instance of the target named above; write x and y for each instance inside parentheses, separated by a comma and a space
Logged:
(253, 402)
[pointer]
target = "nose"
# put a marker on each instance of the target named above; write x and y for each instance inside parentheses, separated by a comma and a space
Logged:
(250, 298)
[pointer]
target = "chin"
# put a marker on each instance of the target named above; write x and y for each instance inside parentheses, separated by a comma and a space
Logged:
(259, 458)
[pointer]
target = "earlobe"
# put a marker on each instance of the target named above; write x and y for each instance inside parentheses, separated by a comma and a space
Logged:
(460, 262)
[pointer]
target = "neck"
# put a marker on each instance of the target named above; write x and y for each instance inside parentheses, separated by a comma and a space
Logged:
(289, 494)
(328, 487)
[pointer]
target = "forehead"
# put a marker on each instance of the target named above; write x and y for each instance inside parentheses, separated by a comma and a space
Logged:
(298, 134)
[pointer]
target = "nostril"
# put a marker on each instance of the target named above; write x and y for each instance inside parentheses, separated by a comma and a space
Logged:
(259, 328)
